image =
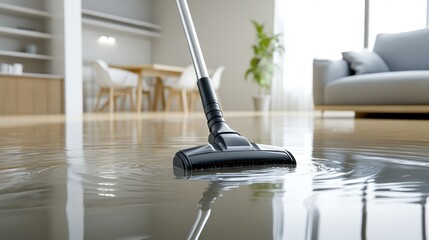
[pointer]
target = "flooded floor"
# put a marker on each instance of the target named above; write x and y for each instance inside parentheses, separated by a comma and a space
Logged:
(111, 177)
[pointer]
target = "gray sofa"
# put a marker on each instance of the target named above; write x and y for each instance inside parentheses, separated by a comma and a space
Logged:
(401, 87)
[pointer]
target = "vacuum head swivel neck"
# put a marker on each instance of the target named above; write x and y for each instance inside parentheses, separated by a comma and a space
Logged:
(226, 147)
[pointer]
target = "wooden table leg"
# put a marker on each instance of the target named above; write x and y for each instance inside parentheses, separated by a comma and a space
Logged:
(159, 94)
(111, 100)
(139, 93)
(162, 94)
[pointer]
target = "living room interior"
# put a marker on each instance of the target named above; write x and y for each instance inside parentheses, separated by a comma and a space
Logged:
(97, 97)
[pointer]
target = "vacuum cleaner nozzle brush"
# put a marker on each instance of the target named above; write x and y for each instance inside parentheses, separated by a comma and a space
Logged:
(211, 156)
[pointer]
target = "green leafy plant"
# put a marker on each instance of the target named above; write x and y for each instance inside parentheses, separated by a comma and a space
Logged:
(262, 67)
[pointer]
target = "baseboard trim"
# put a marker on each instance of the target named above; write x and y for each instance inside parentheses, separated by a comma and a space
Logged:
(375, 108)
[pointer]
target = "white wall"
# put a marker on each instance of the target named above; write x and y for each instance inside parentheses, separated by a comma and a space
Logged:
(226, 34)
(128, 49)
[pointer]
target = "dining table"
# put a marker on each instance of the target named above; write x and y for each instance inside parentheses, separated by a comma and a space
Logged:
(158, 71)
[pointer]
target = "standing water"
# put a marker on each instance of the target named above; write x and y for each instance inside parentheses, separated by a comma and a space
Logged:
(111, 177)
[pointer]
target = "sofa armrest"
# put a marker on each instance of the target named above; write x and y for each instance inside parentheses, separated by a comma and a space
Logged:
(325, 71)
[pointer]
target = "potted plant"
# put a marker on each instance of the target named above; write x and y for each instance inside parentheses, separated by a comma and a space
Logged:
(262, 65)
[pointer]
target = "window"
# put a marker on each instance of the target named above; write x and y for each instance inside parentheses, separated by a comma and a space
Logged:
(313, 29)
(392, 16)
(338, 26)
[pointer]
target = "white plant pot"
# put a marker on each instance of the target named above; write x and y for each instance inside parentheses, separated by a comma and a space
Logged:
(262, 103)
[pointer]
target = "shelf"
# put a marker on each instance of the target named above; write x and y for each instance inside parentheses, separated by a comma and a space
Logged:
(33, 75)
(118, 27)
(24, 33)
(109, 21)
(24, 55)
(118, 19)
(23, 11)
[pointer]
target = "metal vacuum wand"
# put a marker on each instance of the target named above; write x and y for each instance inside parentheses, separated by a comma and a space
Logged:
(191, 37)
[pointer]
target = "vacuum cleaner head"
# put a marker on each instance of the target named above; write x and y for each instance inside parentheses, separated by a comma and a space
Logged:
(229, 150)
(213, 157)
(226, 147)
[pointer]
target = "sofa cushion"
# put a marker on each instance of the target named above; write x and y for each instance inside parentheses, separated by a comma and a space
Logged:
(365, 62)
(407, 87)
(404, 51)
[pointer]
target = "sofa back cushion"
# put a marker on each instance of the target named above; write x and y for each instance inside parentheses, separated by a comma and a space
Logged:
(404, 51)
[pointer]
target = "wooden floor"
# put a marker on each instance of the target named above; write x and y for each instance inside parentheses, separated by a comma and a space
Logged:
(178, 130)
(254, 125)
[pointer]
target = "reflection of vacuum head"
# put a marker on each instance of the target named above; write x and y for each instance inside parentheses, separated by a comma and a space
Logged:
(224, 180)
(204, 206)
(243, 176)
(204, 209)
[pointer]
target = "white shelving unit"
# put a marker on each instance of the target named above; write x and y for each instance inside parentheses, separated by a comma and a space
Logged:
(24, 55)
(24, 33)
(23, 11)
(109, 21)
(27, 18)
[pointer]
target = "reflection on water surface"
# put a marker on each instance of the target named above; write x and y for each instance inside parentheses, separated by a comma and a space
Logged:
(112, 178)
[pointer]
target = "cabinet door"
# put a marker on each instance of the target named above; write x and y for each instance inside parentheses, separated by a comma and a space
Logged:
(55, 96)
(40, 96)
(27, 96)
(8, 96)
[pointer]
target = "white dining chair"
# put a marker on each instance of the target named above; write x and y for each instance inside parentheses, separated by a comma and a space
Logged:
(217, 77)
(148, 86)
(180, 88)
(114, 83)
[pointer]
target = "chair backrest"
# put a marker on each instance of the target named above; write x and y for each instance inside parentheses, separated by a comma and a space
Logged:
(217, 76)
(101, 73)
(188, 79)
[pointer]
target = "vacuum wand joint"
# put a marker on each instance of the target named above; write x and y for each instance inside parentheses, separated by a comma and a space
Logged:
(214, 115)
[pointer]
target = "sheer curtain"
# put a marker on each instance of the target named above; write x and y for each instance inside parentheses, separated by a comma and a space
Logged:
(311, 29)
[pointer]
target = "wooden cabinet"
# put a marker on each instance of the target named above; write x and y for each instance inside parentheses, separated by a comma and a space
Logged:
(31, 94)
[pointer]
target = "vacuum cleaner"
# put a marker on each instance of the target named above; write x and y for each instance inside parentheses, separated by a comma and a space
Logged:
(226, 147)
